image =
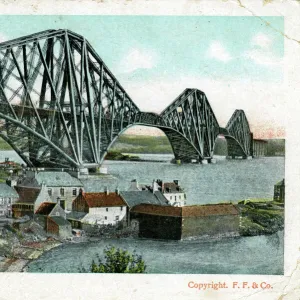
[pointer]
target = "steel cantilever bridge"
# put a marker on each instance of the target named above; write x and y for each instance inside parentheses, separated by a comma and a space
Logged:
(60, 106)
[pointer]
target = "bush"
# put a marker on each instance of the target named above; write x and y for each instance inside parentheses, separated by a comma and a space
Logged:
(117, 260)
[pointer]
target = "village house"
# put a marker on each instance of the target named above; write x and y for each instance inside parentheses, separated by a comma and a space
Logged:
(30, 198)
(147, 196)
(169, 222)
(53, 218)
(8, 196)
(104, 208)
(170, 190)
(61, 186)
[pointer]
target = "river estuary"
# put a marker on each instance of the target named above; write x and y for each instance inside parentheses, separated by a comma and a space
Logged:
(227, 180)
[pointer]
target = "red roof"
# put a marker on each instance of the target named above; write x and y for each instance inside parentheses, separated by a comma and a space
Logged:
(103, 199)
(45, 208)
(187, 211)
(27, 194)
(209, 210)
(172, 187)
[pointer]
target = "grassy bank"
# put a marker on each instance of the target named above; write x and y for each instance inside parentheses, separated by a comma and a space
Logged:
(261, 217)
(4, 145)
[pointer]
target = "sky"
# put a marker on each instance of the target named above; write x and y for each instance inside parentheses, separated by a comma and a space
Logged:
(236, 61)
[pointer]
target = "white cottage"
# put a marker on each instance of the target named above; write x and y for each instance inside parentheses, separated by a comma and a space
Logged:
(101, 208)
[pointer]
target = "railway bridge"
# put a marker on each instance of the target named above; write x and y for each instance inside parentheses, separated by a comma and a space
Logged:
(61, 107)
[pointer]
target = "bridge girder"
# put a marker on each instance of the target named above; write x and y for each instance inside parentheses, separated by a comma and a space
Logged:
(60, 106)
(238, 135)
(55, 84)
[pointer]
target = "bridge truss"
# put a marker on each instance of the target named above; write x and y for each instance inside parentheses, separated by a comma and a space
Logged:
(60, 106)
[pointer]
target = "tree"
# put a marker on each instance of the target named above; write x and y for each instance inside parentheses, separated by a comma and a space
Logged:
(117, 260)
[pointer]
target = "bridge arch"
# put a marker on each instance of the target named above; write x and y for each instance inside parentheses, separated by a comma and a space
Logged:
(60, 103)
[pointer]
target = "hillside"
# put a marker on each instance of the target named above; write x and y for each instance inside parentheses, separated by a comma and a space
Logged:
(160, 144)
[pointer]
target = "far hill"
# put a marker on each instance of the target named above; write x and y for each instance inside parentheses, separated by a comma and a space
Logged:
(160, 145)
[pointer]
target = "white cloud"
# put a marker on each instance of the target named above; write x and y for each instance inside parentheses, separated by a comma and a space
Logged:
(219, 52)
(262, 52)
(137, 59)
(262, 40)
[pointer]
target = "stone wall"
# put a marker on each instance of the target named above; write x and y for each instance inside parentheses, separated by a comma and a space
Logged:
(210, 226)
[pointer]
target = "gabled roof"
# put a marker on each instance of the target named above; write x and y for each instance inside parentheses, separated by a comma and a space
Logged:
(134, 198)
(56, 179)
(45, 208)
(7, 191)
(60, 221)
(172, 187)
(209, 210)
(76, 215)
(27, 194)
(157, 210)
(103, 199)
(187, 211)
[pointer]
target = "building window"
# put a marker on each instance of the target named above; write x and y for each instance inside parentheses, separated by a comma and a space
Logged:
(50, 192)
(175, 198)
(117, 218)
(170, 197)
(74, 192)
(121, 208)
(105, 217)
(62, 192)
(179, 197)
(106, 209)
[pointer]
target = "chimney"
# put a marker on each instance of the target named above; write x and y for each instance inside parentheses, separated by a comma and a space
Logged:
(117, 191)
(176, 182)
(106, 190)
(134, 185)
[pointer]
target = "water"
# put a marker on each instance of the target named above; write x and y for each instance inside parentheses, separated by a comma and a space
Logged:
(11, 155)
(244, 255)
(225, 181)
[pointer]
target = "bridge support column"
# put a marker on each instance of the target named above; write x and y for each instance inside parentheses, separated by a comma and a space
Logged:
(83, 171)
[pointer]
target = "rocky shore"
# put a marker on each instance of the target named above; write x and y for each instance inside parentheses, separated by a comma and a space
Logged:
(19, 247)
(258, 218)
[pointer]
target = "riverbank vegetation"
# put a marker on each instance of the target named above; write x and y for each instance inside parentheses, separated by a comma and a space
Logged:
(116, 155)
(260, 217)
(117, 260)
